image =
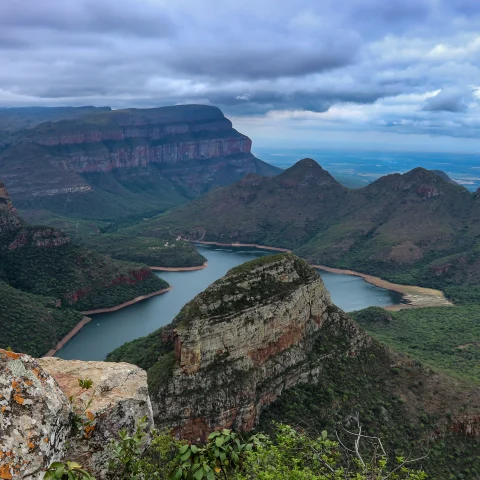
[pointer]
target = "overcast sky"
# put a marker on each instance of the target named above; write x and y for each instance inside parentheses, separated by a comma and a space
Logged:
(383, 73)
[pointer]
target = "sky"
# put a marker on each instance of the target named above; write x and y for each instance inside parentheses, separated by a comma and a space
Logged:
(360, 73)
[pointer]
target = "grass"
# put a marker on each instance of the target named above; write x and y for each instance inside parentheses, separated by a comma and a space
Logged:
(446, 339)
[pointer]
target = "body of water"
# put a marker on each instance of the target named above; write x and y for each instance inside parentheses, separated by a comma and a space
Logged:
(108, 331)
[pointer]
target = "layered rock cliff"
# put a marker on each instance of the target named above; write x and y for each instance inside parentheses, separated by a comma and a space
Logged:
(238, 345)
(38, 402)
(143, 160)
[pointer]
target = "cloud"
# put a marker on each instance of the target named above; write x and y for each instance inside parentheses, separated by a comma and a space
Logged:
(408, 67)
(448, 100)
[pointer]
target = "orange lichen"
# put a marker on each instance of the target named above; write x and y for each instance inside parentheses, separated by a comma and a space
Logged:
(45, 439)
(19, 399)
(5, 471)
(89, 430)
(4, 407)
(90, 415)
(11, 355)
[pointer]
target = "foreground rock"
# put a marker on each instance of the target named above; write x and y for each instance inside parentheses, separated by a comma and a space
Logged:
(37, 419)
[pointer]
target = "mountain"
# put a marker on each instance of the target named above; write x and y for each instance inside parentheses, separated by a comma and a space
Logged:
(415, 227)
(44, 276)
(265, 342)
(117, 164)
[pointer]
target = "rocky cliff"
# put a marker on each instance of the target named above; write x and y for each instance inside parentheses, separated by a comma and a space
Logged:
(126, 161)
(237, 346)
(9, 220)
(38, 402)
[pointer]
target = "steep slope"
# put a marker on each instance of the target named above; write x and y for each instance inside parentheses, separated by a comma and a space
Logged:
(43, 261)
(265, 342)
(115, 164)
(282, 211)
(408, 228)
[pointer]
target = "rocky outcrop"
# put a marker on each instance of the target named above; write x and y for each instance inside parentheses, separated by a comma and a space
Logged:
(117, 400)
(9, 220)
(36, 416)
(242, 342)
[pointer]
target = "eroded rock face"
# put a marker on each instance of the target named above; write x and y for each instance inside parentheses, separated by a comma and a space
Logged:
(243, 341)
(35, 418)
(119, 398)
(9, 220)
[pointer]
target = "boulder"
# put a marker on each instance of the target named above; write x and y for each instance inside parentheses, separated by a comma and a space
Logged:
(35, 418)
(117, 400)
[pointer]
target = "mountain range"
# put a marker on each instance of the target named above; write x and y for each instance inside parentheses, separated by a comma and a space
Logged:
(417, 227)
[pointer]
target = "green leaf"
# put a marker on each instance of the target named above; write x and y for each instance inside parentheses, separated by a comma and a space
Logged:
(210, 475)
(186, 455)
(199, 474)
(194, 449)
(324, 434)
(219, 441)
(178, 474)
(183, 449)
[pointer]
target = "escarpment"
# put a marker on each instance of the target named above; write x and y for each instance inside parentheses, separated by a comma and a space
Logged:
(109, 164)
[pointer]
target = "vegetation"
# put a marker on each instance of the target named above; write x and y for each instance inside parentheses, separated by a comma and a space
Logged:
(80, 278)
(67, 471)
(447, 339)
(289, 454)
(32, 323)
(159, 252)
(416, 228)
(374, 387)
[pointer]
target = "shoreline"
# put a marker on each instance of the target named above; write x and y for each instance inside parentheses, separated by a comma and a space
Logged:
(252, 245)
(412, 295)
(179, 269)
(127, 304)
(67, 337)
(85, 320)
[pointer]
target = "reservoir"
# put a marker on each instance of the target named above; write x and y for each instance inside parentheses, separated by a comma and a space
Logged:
(108, 331)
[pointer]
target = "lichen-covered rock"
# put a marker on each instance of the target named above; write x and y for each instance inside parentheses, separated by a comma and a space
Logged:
(243, 341)
(117, 400)
(35, 418)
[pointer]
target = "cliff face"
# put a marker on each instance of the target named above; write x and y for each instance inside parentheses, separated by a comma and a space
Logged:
(126, 161)
(242, 342)
(136, 138)
(9, 220)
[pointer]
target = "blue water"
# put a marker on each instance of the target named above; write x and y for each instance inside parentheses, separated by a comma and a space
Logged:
(357, 168)
(108, 331)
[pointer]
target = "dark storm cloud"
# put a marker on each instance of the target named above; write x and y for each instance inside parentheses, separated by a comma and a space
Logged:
(448, 100)
(250, 57)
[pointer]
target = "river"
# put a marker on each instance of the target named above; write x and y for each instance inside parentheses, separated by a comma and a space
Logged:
(108, 331)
